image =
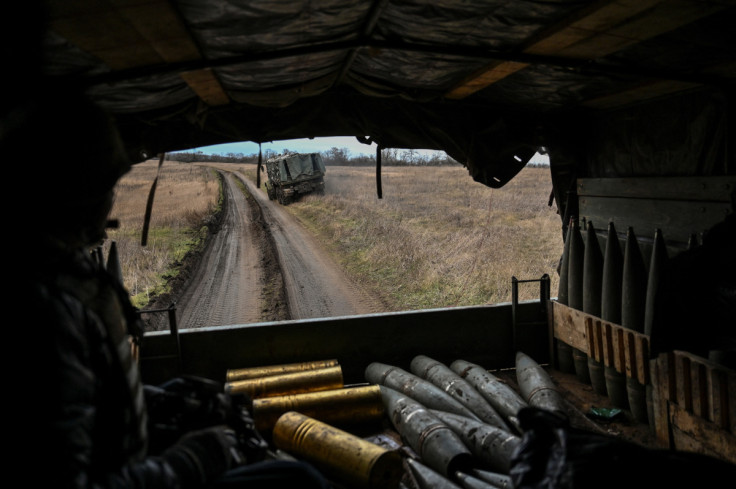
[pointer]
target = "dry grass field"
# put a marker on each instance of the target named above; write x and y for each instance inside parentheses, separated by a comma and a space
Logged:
(186, 196)
(436, 238)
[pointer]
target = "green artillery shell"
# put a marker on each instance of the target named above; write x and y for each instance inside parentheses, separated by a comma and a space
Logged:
(428, 478)
(444, 378)
(421, 390)
(267, 370)
(470, 482)
(436, 444)
(613, 267)
(536, 386)
(592, 273)
(634, 289)
(592, 290)
(501, 481)
(564, 351)
(320, 379)
(344, 456)
(656, 266)
(500, 395)
(349, 405)
(491, 445)
(575, 295)
(575, 268)
(633, 305)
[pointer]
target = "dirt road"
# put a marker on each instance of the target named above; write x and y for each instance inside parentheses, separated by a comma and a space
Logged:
(263, 266)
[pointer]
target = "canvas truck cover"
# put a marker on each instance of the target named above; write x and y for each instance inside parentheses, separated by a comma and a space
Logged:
(301, 166)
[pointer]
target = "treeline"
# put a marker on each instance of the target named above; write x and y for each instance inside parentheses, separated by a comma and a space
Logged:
(332, 157)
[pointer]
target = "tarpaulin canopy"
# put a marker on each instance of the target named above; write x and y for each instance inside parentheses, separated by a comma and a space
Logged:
(489, 81)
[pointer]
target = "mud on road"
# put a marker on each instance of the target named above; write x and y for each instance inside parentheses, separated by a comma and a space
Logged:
(258, 265)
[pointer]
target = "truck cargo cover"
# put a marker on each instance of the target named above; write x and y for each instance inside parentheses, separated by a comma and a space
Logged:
(634, 88)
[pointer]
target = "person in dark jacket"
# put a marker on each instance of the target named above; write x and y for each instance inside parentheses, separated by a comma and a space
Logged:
(84, 407)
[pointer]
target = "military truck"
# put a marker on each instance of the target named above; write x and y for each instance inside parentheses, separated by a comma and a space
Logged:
(293, 175)
(633, 102)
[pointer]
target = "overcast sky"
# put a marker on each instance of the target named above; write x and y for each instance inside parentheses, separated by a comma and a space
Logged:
(316, 145)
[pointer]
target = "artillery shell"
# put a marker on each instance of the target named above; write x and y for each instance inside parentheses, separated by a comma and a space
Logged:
(441, 376)
(469, 482)
(503, 398)
(611, 311)
(657, 264)
(267, 370)
(428, 478)
(350, 405)
(634, 290)
(343, 456)
(437, 445)
(502, 481)
(423, 391)
(592, 290)
(536, 386)
(493, 446)
(564, 351)
(613, 269)
(320, 379)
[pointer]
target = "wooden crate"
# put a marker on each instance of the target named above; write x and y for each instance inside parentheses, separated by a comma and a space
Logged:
(694, 399)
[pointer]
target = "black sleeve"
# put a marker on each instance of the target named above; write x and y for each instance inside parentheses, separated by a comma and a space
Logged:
(63, 388)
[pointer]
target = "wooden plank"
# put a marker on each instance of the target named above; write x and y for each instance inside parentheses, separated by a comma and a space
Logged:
(485, 77)
(694, 434)
(707, 189)
(646, 23)
(699, 385)
(206, 85)
(683, 381)
(570, 326)
(625, 350)
(598, 30)
(660, 399)
(631, 367)
(125, 35)
(608, 346)
(642, 352)
(677, 219)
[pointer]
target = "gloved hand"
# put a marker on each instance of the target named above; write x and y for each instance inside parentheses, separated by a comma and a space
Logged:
(202, 456)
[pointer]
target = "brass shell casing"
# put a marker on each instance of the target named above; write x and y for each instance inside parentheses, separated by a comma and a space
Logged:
(350, 405)
(267, 370)
(320, 379)
(341, 455)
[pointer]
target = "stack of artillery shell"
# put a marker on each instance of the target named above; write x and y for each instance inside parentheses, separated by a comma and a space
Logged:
(423, 391)
(318, 379)
(446, 379)
(437, 445)
(491, 445)
(269, 370)
(345, 406)
(536, 386)
(342, 456)
(503, 398)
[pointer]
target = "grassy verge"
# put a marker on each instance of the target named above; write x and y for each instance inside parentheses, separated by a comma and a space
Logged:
(436, 239)
(187, 199)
